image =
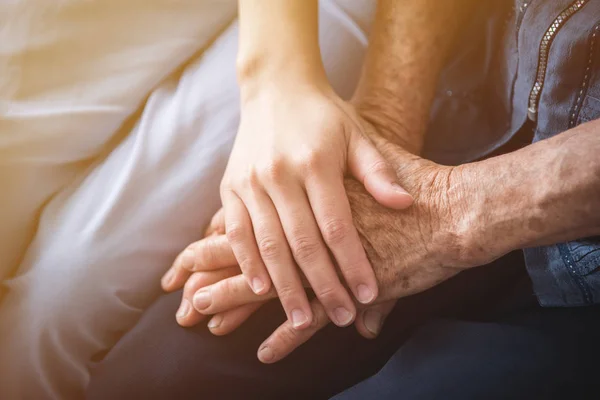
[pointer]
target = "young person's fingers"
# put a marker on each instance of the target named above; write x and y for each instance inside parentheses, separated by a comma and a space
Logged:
(286, 339)
(277, 257)
(332, 210)
(240, 234)
(311, 253)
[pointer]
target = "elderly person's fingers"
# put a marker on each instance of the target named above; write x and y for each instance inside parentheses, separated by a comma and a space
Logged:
(226, 295)
(228, 321)
(186, 314)
(217, 224)
(210, 253)
(370, 320)
(286, 339)
(174, 278)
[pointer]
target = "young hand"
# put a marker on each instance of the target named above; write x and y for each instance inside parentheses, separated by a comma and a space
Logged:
(284, 200)
(410, 251)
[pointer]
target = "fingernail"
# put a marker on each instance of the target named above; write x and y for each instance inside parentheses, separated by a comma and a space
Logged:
(187, 259)
(265, 354)
(399, 188)
(373, 320)
(365, 295)
(202, 300)
(168, 277)
(342, 316)
(184, 309)
(257, 285)
(299, 318)
(215, 321)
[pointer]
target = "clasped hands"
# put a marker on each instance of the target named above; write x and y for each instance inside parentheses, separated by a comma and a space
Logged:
(409, 250)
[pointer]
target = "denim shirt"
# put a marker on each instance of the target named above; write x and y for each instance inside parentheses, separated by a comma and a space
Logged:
(520, 61)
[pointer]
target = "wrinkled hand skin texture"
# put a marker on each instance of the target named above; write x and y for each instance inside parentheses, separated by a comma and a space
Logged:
(415, 249)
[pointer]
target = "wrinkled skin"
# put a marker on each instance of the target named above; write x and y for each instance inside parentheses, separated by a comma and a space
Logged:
(410, 251)
(414, 249)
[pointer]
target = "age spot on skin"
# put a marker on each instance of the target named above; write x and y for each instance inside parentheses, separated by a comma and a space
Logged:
(403, 281)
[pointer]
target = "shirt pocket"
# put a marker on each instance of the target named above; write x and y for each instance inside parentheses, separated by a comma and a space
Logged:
(585, 254)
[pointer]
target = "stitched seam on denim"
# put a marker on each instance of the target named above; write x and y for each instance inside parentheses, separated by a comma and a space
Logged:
(568, 260)
(574, 248)
(590, 259)
(575, 111)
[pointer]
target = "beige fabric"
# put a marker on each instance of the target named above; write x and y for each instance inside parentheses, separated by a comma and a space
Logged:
(71, 72)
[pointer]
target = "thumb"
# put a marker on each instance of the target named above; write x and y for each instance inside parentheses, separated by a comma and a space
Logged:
(370, 320)
(378, 177)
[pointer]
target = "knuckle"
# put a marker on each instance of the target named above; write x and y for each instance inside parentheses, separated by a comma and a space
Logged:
(328, 293)
(226, 289)
(247, 264)
(335, 231)
(205, 254)
(274, 170)
(250, 180)
(263, 227)
(235, 232)
(288, 336)
(305, 250)
(245, 181)
(311, 161)
(268, 247)
(286, 291)
(378, 166)
(353, 271)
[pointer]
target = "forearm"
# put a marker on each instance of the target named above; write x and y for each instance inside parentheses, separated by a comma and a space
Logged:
(546, 193)
(408, 45)
(278, 43)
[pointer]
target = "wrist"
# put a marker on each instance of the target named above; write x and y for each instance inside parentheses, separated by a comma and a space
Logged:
(450, 243)
(438, 207)
(469, 252)
(488, 216)
(402, 125)
(259, 72)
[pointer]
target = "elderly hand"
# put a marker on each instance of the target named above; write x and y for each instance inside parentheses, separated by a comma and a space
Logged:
(213, 261)
(410, 251)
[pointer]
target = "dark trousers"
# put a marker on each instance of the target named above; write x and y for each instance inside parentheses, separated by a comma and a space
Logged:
(479, 335)
(539, 354)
